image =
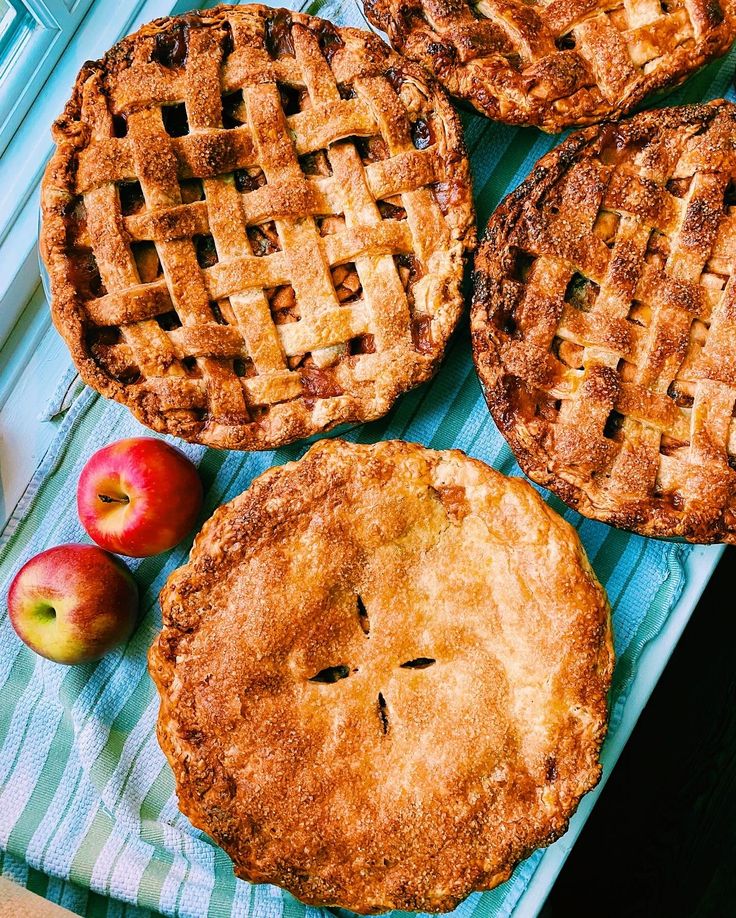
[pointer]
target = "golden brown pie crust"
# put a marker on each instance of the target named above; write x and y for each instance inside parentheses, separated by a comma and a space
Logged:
(383, 676)
(254, 225)
(604, 322)
(559, 63)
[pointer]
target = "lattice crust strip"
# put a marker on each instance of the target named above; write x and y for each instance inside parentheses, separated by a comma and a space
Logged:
(255, 224)
(555, 63)
(604, 322)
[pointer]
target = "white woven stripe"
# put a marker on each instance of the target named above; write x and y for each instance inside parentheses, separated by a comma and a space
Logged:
(139, 765)
(26, 747)
(170, 891)
(118, 873)
(65, 825)
(268, 902)
(241, 900)
(11, 649)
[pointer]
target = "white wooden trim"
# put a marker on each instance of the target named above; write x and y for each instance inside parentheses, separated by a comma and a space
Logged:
(33, 55)
(24, 160)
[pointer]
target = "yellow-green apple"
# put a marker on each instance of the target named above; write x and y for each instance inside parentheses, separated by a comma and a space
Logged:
(73, 603)
(139, 497)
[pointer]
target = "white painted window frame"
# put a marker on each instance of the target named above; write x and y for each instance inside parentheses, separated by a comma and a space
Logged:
(64, 34)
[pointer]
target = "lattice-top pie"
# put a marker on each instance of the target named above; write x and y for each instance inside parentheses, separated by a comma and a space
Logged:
(254, 224)
(604, 322)
(383, 676)
(555, 63)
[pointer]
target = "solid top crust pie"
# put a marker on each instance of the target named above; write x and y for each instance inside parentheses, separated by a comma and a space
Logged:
(383, 676)
(254, 225)
(556, 63)
(604, 322)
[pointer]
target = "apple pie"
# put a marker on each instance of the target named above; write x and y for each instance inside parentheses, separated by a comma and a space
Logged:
(604, 322)
(383, 676)
(556, 63)
(254, 225)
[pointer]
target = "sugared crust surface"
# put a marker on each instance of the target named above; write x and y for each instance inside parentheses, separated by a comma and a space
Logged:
(396, 786)
(245, 271)
(557, 63)
(603, 322)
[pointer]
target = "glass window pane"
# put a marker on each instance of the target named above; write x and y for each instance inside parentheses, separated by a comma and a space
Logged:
(15, 20)
(8, 15)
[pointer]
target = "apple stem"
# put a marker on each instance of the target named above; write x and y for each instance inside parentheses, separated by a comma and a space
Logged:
(106, 499)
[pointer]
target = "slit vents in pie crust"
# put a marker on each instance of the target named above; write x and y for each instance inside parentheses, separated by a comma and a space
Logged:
(383, 676)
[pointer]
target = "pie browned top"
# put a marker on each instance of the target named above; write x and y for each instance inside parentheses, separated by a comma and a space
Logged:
(383, 676)
(604, 322)
(555, 63)
(254, 224)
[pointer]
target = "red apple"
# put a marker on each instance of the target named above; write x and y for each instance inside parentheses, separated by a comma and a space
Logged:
(73, 603)
(139, 497)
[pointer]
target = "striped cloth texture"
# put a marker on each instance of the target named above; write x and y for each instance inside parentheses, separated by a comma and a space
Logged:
(88, 813)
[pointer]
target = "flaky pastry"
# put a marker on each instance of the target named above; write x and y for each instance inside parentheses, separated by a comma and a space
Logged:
(557, 63)
(604, 322)
(254, 225)
(383, 676)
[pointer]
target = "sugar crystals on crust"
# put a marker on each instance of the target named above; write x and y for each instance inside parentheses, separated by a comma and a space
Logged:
(255, 225)
(383, 676)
